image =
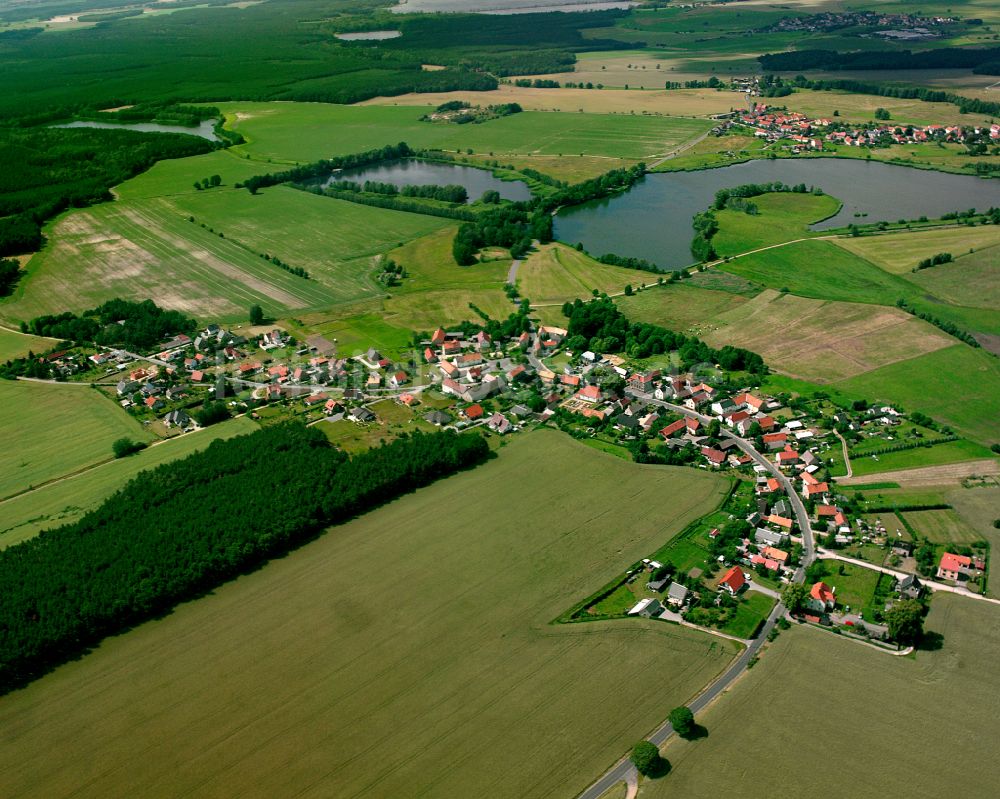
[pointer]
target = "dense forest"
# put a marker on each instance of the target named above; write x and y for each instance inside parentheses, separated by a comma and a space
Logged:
(941, 58)
(45, 170)
(206, 519)
(116, 323)
(600, 326)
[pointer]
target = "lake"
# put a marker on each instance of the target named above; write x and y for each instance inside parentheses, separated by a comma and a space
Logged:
(205, 129)
(368, 36)
(506, 6)
(653, 219)
(413, 172)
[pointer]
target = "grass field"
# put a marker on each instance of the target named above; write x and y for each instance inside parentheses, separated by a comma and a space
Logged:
(899, 253)
(762, 736)
(307, 131)
(972, 280)
(853, 585)
(17, 345)
(822, 341)
(942, 526)
(680, 306)
(679, 103)
(821, 270)
(50, 430)
(149, 248)
(782, 216)
(949, 452)
(401, 631)
(957, 385)
(66, 501)
(556, 273)
(754, 607)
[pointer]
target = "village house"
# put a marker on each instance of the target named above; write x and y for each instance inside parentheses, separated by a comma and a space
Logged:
(954, 567)
(648, 607)
(821, 598)
(764, 537)
(499, 423)
(473, 412)
(733, 581)
(677, 595)
(361, 415)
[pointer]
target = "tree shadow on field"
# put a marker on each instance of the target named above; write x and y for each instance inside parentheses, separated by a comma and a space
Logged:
(930, 641)
(661, 768)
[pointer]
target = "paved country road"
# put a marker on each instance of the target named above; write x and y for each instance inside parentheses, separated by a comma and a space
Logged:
(623, 770)
(512, 273)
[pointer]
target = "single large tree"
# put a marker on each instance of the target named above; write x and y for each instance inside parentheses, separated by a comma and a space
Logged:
(794, 597)
(906, 621)
(682, 720)
(646, 758)
(256, 315)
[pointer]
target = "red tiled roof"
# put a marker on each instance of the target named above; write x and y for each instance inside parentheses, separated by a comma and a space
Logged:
(822, 592)
(672, 428)
(734, 579)
(473, 411)
(954, 563)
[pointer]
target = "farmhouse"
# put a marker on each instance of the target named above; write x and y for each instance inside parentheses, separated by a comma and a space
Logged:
(954, 567)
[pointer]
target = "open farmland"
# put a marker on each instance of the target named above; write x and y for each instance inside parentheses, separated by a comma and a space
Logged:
(556, 273)
(680, 306)
(919, 457)
(819, 340)
(306, 132)
(17, 345)
(942, 526)
(149, 248)
(821, 270)
(781, 738)
(930, 476)
(679, 103)
(50, 430)
(66, 501)
(454, 667)
(900, 252)
(972, 280)
(957, 385)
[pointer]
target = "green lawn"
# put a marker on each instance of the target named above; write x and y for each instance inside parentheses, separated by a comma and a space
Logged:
(50, 430)
(782, 216)
(853, 585)
(66, 501)
(752, 610)
(958, 385)
(310, 131)
(821, 270)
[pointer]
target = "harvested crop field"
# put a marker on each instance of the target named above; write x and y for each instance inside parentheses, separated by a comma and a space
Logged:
(680, 306)
(930, 475)
(556, 273)
(760, 735)
(408, 652)
(820, 340)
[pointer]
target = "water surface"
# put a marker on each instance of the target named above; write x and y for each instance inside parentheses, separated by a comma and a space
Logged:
(653, 219)
(365, 36)
(413, 172)
(204, 129)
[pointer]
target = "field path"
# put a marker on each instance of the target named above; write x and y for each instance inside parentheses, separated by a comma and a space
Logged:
(512, 274)
(678, 150)
(847, 458)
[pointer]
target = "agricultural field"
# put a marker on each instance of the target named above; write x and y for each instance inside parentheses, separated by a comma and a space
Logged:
(821, 270)
(938, 454)
(942, 526)
(66, 501)
(653, 101)
(556, 273)
(819, 340)
(760, 736)
(681, 306)
(971, 280)
(472, 688)
(861, 108)
(957, 385)
(51, 430)
(782, 216)
(899, 253)
(929, 478)
(150, 248)
(302, 131)
(17, 345)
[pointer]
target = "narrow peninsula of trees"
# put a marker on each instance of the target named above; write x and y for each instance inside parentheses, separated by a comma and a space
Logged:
(72, 586)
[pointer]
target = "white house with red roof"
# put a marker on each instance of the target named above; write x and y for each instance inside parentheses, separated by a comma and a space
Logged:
(733, 581)
(954, 567)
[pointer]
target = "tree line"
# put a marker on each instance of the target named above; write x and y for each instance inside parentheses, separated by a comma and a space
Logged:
(116, 323)
(205, 519)
(318, 170)
(941, 58)
(449, 193)
(602, 327)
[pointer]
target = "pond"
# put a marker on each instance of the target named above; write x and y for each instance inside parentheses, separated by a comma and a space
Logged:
(413, 172)
(368, 36)
(653, 219)
(205, 129)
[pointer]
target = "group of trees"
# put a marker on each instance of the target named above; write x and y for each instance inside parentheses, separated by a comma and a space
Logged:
(602, 327)
(10, 273)
(744, 190)
(450, 193)
(44, 171)
(208, 183)
(513, 226)
(942, 324)
(940, 58)
(70, 587)
(116, 323)
(935, 260)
